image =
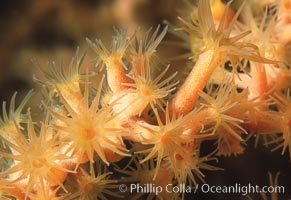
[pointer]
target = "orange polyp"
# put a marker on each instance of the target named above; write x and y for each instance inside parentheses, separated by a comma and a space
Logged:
(16, 190)
(259, 86)
(88, 133)
(116, 75)
(159, 120)
(165, 138)
(72, 94)
(287, 4)
(145, 91)
(140, 62)
(217, 9)
(287, 20)
(186, 97)
(179, 157)
(111, 156)
(89, 187)
(38, 163)
(75, 160)
(59, 176)
(229, 147)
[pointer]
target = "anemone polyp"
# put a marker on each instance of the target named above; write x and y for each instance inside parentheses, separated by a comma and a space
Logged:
(237, 82)
(89, 129)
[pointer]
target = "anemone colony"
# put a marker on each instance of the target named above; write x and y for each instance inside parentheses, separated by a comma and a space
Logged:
(136, 107)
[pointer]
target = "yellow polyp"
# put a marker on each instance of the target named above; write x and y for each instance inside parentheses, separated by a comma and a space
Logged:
(71, 92)
(164, 123)
(214, 112)
(89, 187)
(15, 191)
(88, 133)
(139, 63)
(165, 138)
(38, 163)
(145, 91)
(259, 85)
(179, 157)
(164, 177)
(230, 146)
(287, 4)
(58, 176)
(217, 9)
(116, 76)
(9, 130)
(186, 97)
(115, 62)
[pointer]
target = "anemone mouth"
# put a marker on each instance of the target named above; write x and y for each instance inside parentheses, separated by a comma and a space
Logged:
(166, 138)
(286, 4)
(88, 133)
(89, 187)
(39, 163)
(179, 157)
(146, 89)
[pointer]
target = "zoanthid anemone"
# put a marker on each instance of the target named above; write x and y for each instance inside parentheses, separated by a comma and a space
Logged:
(64, 80)
(91, 129)
(36, 158)
(283, 103)
(187, 166)
(226, 122)
(143, 174)
(219, 46)
(147, 90)
(91, 186)
(165, 138)
(7, 124)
